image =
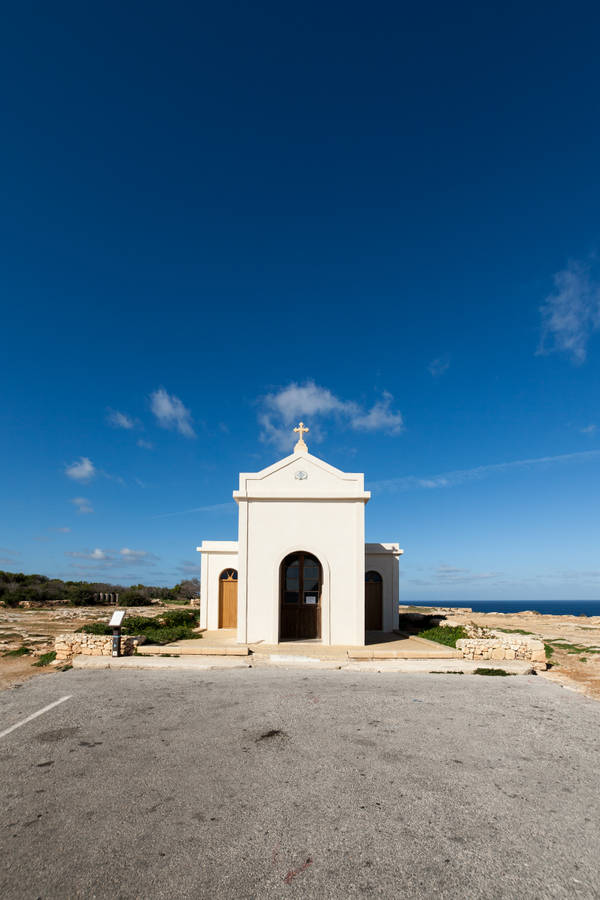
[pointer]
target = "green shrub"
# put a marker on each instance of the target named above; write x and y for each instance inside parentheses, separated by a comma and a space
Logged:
(514, 631)
(21, 651)
(549, 650)
(46, 658)
(138, 624)
(186, 617)
(134, 598)
(173, 625)
(444, 634)
(95, 628)
(166, 635)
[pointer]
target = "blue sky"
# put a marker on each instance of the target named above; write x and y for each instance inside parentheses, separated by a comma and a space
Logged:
(382, 219)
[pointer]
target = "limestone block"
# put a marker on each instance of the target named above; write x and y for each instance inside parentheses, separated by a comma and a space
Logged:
(538, 655)
(497, 653)
(509, 654)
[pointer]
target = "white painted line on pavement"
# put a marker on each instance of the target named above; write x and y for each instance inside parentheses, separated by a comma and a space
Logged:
(34, 715)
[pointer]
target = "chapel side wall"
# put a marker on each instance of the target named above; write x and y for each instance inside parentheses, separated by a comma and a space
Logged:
(334, 532)
(212, 566)
(388, 567)
(204, 592)
(242, 629)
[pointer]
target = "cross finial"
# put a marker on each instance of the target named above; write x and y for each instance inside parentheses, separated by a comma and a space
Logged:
(300, 445)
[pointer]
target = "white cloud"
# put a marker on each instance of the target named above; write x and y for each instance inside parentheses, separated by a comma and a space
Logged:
(110, 559)
(380, 417)
(138, 555)
(571, 313)
(589, 429)
(119, 420)
(460, 476)
(438, 366)
(171, 413)
(145, 444)
(96, 554)
(83, 504)
(306, 400)
(83, 470)
(282, 409)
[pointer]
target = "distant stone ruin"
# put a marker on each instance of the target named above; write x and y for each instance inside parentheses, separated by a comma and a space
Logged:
(106, 597)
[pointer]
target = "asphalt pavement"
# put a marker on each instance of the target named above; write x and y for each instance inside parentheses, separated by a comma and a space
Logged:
(291, 783)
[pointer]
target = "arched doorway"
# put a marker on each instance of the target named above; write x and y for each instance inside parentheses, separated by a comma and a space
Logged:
(300, 583)
(228, 583)
(373, 601)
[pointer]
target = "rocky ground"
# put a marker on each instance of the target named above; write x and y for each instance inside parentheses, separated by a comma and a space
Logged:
(36, 629)
(574, 642)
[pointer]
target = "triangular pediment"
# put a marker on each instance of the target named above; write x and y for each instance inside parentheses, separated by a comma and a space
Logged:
(301, 475)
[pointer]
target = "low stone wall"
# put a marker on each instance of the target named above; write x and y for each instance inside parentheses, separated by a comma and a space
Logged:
(69, 645)
(508, 646)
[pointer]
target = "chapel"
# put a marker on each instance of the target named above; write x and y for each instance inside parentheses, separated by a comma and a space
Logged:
(300, 569)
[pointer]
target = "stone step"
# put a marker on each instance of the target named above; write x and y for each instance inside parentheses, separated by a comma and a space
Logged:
(195, 648)
(420, 653)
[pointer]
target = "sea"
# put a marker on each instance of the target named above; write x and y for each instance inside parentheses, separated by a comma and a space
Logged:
(545, 607)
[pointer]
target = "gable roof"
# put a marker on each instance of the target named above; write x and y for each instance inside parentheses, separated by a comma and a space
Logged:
(301, 476)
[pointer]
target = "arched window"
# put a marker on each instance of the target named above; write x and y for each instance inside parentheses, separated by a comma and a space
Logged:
(373, 576)
(228, 575)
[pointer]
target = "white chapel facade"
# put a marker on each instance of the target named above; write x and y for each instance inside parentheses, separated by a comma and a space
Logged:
(300, 569)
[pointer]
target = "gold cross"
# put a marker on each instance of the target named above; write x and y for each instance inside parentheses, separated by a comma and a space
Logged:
(301, 430)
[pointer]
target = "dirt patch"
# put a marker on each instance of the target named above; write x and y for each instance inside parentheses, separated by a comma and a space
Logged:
(16, 670)
(573, 672)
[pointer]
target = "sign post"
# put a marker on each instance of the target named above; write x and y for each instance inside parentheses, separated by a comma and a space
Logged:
(115, 623)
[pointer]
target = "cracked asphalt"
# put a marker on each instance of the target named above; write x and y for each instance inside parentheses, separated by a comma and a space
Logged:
(292, 783)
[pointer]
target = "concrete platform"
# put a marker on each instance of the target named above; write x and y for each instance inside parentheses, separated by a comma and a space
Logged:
(379, 646)
(391, 666)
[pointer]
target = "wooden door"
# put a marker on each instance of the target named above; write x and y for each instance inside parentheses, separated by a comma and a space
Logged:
(228, 599)
(300, 598)
(373, 602)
